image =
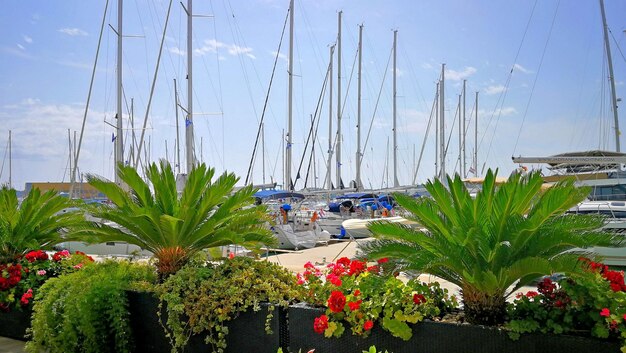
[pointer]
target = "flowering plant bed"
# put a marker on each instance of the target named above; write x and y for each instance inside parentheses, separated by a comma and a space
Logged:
(365, 297)
(435, 337)
(592, 303)
(20, 280)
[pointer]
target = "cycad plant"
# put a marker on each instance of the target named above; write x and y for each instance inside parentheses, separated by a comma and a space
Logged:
(495, 243)
(175, 226)
(35, 223)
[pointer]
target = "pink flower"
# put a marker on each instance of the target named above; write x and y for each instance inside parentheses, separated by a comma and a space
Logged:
(605, 312)
(41, 272)
(79, 266)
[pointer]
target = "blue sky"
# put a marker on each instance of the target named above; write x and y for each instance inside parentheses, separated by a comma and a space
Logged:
(556, 99)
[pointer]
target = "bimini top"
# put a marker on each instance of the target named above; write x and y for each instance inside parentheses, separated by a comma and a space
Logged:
(277, 194)
(358, 195)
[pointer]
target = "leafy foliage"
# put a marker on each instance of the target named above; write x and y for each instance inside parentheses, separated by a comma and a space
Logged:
(36, 222)
(86, 311)
(493, 244)
(364, 296)
(174, 227)
(203, 300)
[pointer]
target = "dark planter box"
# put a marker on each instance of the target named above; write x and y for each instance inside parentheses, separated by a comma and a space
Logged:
(435, 337)
(14, 323)
(246, 332)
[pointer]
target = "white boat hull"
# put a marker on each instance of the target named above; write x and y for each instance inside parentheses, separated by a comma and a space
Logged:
(357, 228)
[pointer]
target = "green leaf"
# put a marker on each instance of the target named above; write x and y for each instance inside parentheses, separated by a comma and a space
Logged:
(398, 328)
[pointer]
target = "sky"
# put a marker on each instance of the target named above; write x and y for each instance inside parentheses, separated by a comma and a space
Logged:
(539, 68)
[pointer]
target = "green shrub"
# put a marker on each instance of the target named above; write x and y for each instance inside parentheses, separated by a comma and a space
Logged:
(203, 300)
(86, 311)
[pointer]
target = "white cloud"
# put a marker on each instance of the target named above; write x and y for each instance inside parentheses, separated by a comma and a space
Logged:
(73, 32)
(427, 66)
(212, 45)
(520, 68)
(280, 56)
(491, 90)
(177, 51)
(27, 39)
(460, 75)
(21, 46)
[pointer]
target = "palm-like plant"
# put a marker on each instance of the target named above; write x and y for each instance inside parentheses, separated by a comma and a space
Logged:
(36, 222)
(491, 245)
(175, 227)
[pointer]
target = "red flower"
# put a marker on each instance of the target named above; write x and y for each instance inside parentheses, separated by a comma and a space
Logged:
(418, 299)
(320, 324)
(355, 305)
(344, 261)
(383, 260)
(26, 296)
(334, 279)
(605, 312)
(336, 302)
(546, 286)
(357, 293)
(368, 325)
(531, 294)
(36, 255)
(373, 269)
(356, 267)
(624, 316)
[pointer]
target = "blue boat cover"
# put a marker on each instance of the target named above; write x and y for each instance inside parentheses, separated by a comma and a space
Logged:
(277, 194)
(358, 195)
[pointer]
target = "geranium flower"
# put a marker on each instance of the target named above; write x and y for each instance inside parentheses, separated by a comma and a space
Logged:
(356, 267)
(355, 305)
(26, 296)
(344, 261)
(418, 299)
(605, 312)
(531, 294)
(357, 293)
(383, 260)
(337, 301)
(320, 324)
(78, 266)
(368, 325)
(334, 279)
(41, 272)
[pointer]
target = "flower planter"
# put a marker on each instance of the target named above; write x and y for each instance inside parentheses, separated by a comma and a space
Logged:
(435, 337)
(246, 332)
(14, 323)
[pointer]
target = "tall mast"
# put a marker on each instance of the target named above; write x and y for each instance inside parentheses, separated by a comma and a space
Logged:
(69, 144)
(358, 114)
(437, 130)
(10, 162)
(339, 100)
(263, 150)
(464, 138)
(189, 143)
(395, 94)
(459, 105)
(607, 46)
(442, 126)
(290, 103)
(119, 142)
(132, 129)
(329, 184)
(476, 137)
(177, 129)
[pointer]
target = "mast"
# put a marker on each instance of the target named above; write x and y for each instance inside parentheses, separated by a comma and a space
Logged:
(329, 186)
(177, 129)
(189, 141)
(339, 101)
(395, 94)
(460, 136)
(442, 127)
(476, 137)
(69, 150)
(132, 129)
(358, 121)
(607, 46)
(290, 103)
(10, 162)
(119, 142)
(263, 150)
(464, 160)
(437, 130)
